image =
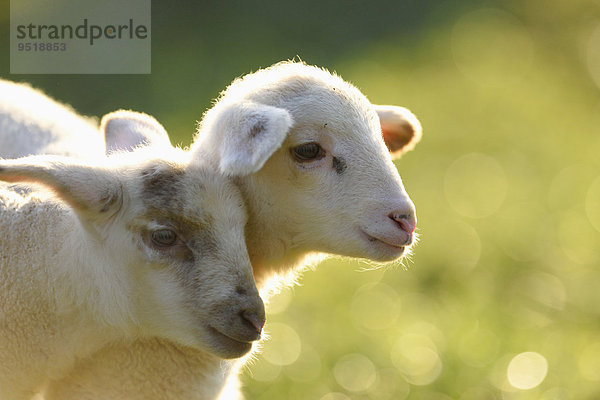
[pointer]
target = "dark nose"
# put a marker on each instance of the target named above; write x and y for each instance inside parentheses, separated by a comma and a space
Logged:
(255, 319)
(406, 220)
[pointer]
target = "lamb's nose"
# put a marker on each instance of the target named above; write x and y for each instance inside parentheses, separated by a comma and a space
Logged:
(406, 220)
(255, 320)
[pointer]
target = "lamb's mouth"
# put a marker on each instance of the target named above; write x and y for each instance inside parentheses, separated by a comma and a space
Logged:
(230, 347)
(397, 248)
(219, 333)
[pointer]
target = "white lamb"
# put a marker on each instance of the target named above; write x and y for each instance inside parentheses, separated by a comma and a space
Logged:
(33, 123)
(329, 185)
(134, 248)
(53, 128)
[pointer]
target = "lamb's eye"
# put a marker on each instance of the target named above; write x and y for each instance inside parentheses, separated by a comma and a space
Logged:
(164, 237)
(308, 152)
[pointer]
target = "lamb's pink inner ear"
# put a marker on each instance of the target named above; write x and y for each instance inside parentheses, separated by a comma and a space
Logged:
(401, 130)
(126, 130)
(398, 138)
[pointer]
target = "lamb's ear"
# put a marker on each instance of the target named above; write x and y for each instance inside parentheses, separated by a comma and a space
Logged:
(126, 130)
(94, 192)
(400, 128)
(243, 135)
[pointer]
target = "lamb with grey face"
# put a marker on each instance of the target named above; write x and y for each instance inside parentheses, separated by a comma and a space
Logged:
(192, 225)
(134, 248)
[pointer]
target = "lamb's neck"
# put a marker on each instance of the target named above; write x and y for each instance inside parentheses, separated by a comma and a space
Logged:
(273, 244)
(270, 260)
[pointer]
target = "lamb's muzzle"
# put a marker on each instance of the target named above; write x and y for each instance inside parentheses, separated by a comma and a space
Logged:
(256, 320)
(245, 324)
(406, 222)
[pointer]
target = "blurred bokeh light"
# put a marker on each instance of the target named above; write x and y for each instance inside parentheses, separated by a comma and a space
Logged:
(527, 370)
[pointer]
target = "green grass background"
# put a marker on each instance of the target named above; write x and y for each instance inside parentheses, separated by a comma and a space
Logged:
(501, 299)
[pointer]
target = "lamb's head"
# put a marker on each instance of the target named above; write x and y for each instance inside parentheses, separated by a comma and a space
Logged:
(169, 236)
(317, 157)
(191, 228)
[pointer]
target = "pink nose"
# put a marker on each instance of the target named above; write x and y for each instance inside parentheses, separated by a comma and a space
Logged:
(407, 221)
